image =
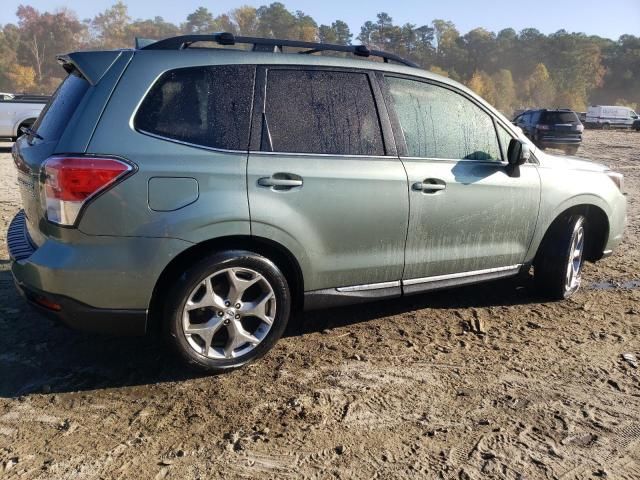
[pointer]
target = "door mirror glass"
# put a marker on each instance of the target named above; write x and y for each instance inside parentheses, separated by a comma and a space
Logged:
(518, 152)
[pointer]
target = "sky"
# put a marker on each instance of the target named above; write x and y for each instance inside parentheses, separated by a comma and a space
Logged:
(610, 18)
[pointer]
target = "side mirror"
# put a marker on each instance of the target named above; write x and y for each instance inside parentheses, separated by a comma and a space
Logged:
(518, 152)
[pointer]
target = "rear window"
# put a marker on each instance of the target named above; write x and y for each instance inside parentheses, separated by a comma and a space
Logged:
(55, 116)
(208, 106)
(559, 117)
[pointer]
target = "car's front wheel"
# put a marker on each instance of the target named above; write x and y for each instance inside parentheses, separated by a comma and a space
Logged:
(228, 309)
(558, 265)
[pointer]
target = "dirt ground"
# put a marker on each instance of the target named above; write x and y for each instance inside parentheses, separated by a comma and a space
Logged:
(479, 382)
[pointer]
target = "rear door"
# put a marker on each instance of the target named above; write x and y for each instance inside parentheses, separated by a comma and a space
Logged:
(468, 215)
(324, 178)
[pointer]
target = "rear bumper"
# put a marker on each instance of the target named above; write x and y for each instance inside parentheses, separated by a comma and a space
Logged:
(96, 283)
(551, 140)
(80, 316)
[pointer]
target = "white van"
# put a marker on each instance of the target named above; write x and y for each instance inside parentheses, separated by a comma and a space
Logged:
(604, 116)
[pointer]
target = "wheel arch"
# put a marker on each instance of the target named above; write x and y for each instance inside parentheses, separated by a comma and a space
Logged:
(597, 226)
(274, 251)
(23, 121)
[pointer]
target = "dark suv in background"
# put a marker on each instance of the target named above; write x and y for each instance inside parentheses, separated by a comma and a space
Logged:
(552, 128)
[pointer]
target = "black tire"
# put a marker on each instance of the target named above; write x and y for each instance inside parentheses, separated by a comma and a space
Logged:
(572, 150)
(182, 290)
(551, 268)
(606, 126)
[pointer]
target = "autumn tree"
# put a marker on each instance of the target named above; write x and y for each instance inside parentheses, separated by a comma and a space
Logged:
(539, 89)
(110, 27)
(246, 20)
(482, 84)
(22, 78)
(505, 91)
(45, 35)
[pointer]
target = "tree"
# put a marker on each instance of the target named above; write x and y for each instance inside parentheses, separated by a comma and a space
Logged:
(43, 36)
(246, 20)
(110, 27)
(156, 28)
(539, 88)
(482, 84)
(23, 79)
(9, 42)
(276, 21)
(199, 21)
(338, 33)
(505, 91)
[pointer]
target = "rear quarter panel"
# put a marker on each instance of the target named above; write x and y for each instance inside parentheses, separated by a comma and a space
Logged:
(221, 207)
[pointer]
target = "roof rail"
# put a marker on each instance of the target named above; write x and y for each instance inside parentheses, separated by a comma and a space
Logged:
(181, 42)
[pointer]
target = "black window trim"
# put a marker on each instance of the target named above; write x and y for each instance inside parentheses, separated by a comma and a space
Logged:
(399, 135)
(182, 142)
(259, 107)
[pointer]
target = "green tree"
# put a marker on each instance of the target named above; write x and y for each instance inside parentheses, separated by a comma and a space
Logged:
(199, 21)
(276, 21)
(337, 33)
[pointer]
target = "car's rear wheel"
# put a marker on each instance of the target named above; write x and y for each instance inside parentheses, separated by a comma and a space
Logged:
(227, 310)
(558, 266)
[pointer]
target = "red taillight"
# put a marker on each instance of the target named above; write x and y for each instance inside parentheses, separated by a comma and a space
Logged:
(71, 181)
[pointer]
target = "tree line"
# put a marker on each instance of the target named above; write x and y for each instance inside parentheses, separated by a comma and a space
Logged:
(512, 70)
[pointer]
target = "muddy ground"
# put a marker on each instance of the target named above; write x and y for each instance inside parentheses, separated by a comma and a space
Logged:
(400, 389)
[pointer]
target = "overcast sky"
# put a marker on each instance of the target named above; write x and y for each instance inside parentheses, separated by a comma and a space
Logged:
(610, 18)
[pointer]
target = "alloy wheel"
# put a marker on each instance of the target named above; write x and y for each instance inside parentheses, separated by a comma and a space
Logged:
(574, 263)
(229, 313)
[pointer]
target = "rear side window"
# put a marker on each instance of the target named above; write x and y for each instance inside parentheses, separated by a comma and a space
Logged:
(208, 106)
(440, 123)
(325, 112)
(55, 116)
(559, 117)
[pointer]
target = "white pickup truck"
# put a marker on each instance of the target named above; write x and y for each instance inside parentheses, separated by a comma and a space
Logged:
(18, 111)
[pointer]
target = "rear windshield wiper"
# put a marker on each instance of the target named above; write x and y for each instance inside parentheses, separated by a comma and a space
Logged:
(32, 133)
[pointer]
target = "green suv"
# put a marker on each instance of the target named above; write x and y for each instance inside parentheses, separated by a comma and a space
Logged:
(213, 191)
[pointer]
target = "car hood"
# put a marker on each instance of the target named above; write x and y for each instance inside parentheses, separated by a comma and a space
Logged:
(571, 163)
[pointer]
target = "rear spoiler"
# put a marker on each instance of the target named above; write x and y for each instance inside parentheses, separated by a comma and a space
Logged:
(91, 65)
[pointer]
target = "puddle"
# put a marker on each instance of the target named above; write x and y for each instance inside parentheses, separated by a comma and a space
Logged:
(611, 285)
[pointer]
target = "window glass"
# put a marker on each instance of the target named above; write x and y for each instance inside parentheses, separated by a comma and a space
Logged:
(559, 117)
(318, 111)
(207, 106)
(56, 115)
(505, 138)
(440, 123)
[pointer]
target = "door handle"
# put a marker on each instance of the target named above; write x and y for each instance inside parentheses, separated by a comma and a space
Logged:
(281, 181)
(431, 185)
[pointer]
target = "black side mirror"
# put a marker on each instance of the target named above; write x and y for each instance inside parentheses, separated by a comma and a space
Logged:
(518, 152)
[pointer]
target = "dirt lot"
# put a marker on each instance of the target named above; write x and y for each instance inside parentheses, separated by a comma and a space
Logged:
(400, 389)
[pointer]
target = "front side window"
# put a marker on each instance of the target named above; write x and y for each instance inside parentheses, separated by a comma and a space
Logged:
(324, 112)
(440, 123)
(208, 106)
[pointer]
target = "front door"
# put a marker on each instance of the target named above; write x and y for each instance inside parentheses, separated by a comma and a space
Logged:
(469, 214)
(324, 178)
